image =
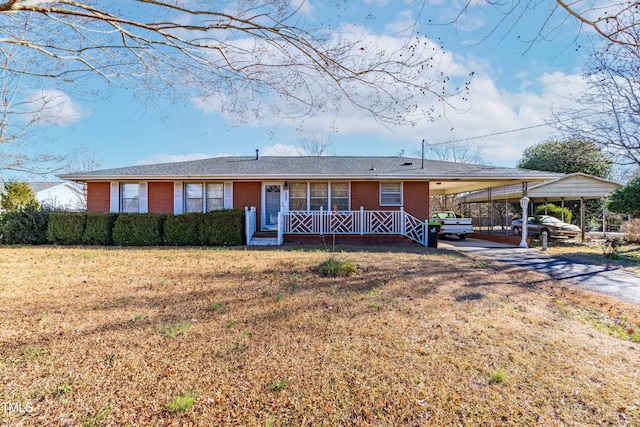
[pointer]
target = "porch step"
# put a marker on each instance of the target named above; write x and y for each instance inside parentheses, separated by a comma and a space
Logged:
(264, 241)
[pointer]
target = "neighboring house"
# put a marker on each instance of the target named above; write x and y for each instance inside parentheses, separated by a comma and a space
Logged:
(59, 195)
(379, 199)
(67, 196)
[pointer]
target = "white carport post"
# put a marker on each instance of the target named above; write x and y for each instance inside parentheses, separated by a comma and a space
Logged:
(524, 204)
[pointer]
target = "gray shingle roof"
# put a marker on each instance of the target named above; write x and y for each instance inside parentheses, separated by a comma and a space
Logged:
(311, 167)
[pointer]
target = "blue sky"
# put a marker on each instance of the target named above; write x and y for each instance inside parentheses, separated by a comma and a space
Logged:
(516, 85)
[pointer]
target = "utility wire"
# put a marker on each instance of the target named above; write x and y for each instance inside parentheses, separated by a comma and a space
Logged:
(471, 138)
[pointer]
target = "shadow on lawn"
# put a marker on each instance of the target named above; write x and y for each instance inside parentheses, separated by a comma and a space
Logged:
(250, 296)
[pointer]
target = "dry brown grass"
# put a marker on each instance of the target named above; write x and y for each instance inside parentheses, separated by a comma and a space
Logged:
(626, 257)
(111, 337)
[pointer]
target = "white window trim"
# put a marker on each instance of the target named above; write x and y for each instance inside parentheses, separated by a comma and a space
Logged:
(178, 198)
(227, 195)
(143, 197)
(401, 203)
(114, 197)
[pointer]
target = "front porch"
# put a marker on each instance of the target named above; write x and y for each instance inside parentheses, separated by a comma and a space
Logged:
(360, 223)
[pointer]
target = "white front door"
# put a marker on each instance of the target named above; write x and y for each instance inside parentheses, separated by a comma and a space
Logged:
(272, 199)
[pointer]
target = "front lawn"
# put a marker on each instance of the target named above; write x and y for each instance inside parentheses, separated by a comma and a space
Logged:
(258, 337)
(626, 256)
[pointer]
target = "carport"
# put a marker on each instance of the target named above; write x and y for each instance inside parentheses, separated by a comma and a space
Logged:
(575, 186)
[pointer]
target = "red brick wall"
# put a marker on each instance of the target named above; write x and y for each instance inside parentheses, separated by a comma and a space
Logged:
(98, 199)
(160, 197)
(416, 199)
(247, 194)
(367, 195)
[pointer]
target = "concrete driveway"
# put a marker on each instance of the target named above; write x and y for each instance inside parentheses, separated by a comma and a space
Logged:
(606, 280)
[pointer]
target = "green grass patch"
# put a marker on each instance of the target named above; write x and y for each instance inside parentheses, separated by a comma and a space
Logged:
(278, 385)
(173, 329)
(181, 403)
(33, 352)
(620, 328)
(497, 376)
(334, 267)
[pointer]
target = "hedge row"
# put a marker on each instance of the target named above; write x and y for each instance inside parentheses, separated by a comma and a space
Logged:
(216, 228)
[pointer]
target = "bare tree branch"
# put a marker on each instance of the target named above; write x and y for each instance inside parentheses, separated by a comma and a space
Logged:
(609, 112)
(247, 53)
(615, 22)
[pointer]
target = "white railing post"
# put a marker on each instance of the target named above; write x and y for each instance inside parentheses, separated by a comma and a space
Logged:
(425, 233)
(250, 223)
(362, 222)
(321, 221)
(247, 231)
(280, 230)
(403, 222)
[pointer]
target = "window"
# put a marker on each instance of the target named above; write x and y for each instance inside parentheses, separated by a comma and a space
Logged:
(298, 196)
(193, 197)
(199, 197)
(340, 195)
(319, 196)
(215, 196)
(390, 193)
(129, 195)
(315, 195)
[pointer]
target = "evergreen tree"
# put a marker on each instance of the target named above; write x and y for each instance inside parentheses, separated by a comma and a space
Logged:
(17, 196)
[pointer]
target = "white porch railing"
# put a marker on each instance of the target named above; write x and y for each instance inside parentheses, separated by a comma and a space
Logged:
(344, 222)
(250, 222)
(354, 222)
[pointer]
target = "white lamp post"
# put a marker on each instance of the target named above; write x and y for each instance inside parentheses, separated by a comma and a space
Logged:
(524, 204)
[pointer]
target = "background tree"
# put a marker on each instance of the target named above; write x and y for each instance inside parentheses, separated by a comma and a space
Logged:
(315, 145)
(17, 195)
(22, 112)
(571, 156)
(607, 111)
(82, 160)
(627, 199)
(567, 156)
(459, 152)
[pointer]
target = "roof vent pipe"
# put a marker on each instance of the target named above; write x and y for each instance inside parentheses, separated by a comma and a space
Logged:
(257, 154)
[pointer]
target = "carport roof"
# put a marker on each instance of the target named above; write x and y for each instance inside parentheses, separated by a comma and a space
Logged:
(573, 186)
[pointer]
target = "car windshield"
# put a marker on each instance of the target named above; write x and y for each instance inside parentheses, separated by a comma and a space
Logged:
(549, 219)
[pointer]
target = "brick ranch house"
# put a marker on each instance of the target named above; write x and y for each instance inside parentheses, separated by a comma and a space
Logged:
(374, 199)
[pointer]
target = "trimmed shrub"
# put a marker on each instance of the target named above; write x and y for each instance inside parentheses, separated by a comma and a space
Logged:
(555, 211)
(138, 229)
(66, 228)
(631, 230)
(222, 228)
(26, 226)
(98, 228)
(183, 229)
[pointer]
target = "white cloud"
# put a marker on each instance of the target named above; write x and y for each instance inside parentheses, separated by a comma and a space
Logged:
(301, 6)
(501, 123)
(491, 113)
(394, 68)
(52, 107)
(280, 150)
(376, 2)
(169, 158)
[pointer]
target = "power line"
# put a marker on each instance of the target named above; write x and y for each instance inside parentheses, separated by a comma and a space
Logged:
(471, 138)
